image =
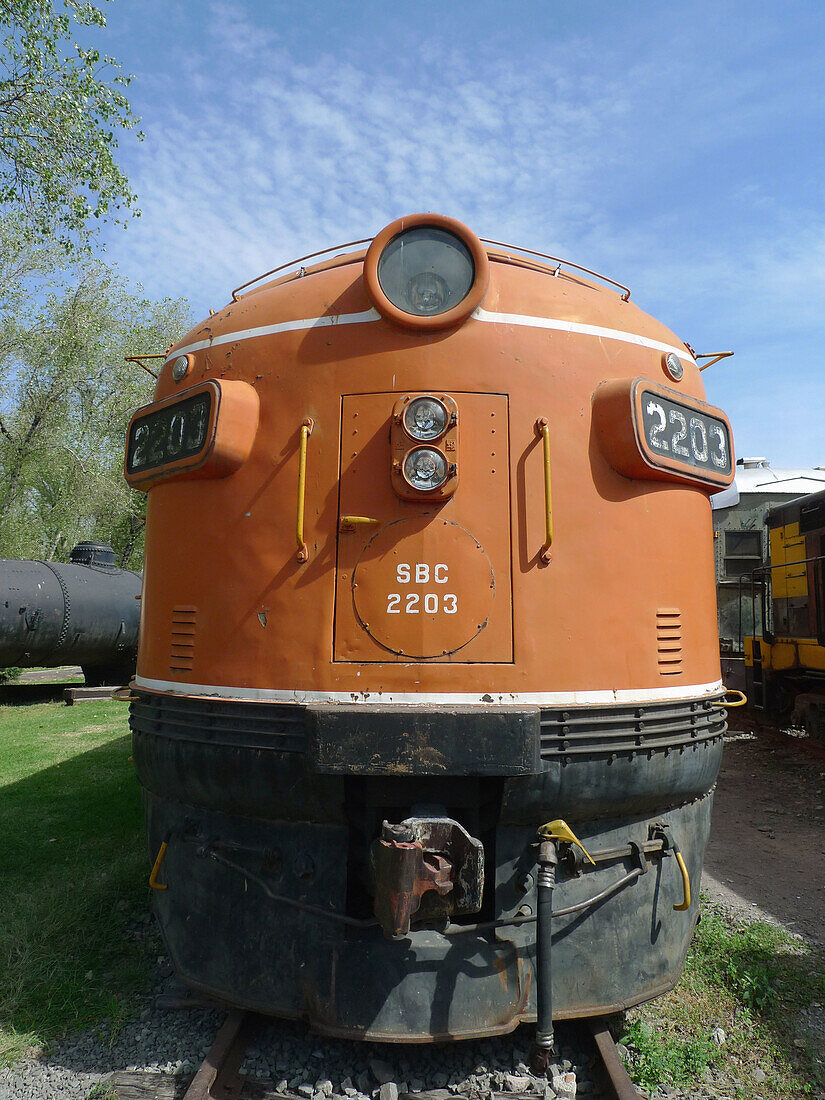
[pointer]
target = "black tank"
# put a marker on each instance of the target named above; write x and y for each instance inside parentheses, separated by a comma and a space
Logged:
(84, 612)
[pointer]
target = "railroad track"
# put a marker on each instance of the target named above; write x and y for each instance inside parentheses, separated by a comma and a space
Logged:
(219, 1077)
(779, 735)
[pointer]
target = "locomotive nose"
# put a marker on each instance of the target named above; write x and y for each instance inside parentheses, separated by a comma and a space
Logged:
(426, 271)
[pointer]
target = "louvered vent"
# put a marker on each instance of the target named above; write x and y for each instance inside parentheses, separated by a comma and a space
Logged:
(669, 640)
(182, 649)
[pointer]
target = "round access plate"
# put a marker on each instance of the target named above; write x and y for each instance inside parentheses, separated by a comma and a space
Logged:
(423, 587)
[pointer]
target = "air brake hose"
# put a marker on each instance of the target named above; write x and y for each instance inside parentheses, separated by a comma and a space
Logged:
(545, 883)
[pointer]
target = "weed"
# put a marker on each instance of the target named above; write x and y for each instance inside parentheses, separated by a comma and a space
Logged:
(750, 980)
(103, 1090)
(657, 1058)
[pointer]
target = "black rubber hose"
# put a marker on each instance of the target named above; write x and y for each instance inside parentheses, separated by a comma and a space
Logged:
(545, 882)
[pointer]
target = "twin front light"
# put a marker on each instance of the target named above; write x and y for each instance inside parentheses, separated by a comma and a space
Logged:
(424, 443)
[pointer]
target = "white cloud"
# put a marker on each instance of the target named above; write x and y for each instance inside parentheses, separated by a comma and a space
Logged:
(657, 166)
(278, 156)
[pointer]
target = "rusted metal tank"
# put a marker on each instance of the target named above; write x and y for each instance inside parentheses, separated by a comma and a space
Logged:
(429, 569)
(81, 612)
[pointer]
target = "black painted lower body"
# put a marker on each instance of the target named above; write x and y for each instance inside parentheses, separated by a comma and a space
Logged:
(237, 778)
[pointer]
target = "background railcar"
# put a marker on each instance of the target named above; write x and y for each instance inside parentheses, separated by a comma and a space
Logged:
(785, 662)
(428, 708)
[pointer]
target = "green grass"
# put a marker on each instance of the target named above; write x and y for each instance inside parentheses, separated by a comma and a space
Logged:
(72, 871)
(754, 981)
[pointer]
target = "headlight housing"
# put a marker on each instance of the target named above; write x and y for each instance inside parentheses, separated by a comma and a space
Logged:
(426, 272)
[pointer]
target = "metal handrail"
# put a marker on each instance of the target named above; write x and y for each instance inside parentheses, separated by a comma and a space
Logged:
(567, 263)
(543, 428)
(300, 260)
(752, 574)
(306, 432)
(485, 240)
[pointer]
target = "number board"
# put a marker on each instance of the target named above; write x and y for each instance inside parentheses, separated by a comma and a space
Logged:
(169, 434)
(676, 435)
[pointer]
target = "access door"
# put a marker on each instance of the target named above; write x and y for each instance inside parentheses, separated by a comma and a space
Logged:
(424, 580)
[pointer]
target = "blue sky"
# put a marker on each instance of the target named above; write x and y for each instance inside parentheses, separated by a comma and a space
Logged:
(679, 148)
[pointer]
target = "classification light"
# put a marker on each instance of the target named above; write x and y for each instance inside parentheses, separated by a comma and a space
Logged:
(180, 368)
(674, 366)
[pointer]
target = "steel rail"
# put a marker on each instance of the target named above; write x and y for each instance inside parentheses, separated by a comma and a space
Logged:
(618, 1077)
(219, 1076)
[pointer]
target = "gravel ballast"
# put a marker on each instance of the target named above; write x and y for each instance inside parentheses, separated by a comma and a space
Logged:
(295, 1060)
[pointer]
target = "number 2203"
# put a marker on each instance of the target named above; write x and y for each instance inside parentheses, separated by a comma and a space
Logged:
(412, 603)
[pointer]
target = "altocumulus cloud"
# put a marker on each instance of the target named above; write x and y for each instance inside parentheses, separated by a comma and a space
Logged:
(272, 156)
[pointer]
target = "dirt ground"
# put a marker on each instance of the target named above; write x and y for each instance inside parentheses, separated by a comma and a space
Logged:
(766, 856)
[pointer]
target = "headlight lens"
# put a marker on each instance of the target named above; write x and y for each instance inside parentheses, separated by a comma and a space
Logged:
(426, 418)
(426, 271)
(673, 366)
(425, 469)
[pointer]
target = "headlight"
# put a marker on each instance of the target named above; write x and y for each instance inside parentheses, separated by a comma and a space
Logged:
(426, 271)
(425, 469)
(426, 418)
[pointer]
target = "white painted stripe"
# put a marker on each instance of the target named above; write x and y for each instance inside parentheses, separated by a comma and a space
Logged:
(584, 330)
(416, 698)
(368, 316)
(273, 330)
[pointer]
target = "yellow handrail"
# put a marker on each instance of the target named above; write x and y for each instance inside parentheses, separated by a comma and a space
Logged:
(153, 877)
(306, 432)
(727, 704)
(685, 881)
(543, 428)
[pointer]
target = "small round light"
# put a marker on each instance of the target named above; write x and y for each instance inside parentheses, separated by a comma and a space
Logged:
(426, 418)
(674, 366)
(180, 368)
(425, 469)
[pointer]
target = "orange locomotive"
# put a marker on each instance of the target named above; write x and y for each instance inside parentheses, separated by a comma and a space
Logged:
(428, 709)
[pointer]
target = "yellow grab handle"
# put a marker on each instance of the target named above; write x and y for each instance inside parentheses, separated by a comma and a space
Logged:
(560, 830)
(685, 880)
(543, 428)
(348, 522)
(123, 695)
(306, 432)
(153, 877)
(728, 703)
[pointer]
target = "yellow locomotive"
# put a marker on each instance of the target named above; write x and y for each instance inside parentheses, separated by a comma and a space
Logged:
(785, 664)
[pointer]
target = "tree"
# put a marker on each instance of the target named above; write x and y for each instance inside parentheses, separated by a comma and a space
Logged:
(60, 108)
(67, 399)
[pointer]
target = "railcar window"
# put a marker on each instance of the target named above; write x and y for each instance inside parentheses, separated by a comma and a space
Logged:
(743, 552)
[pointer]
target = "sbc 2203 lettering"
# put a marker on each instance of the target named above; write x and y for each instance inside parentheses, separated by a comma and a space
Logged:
(413, 603)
